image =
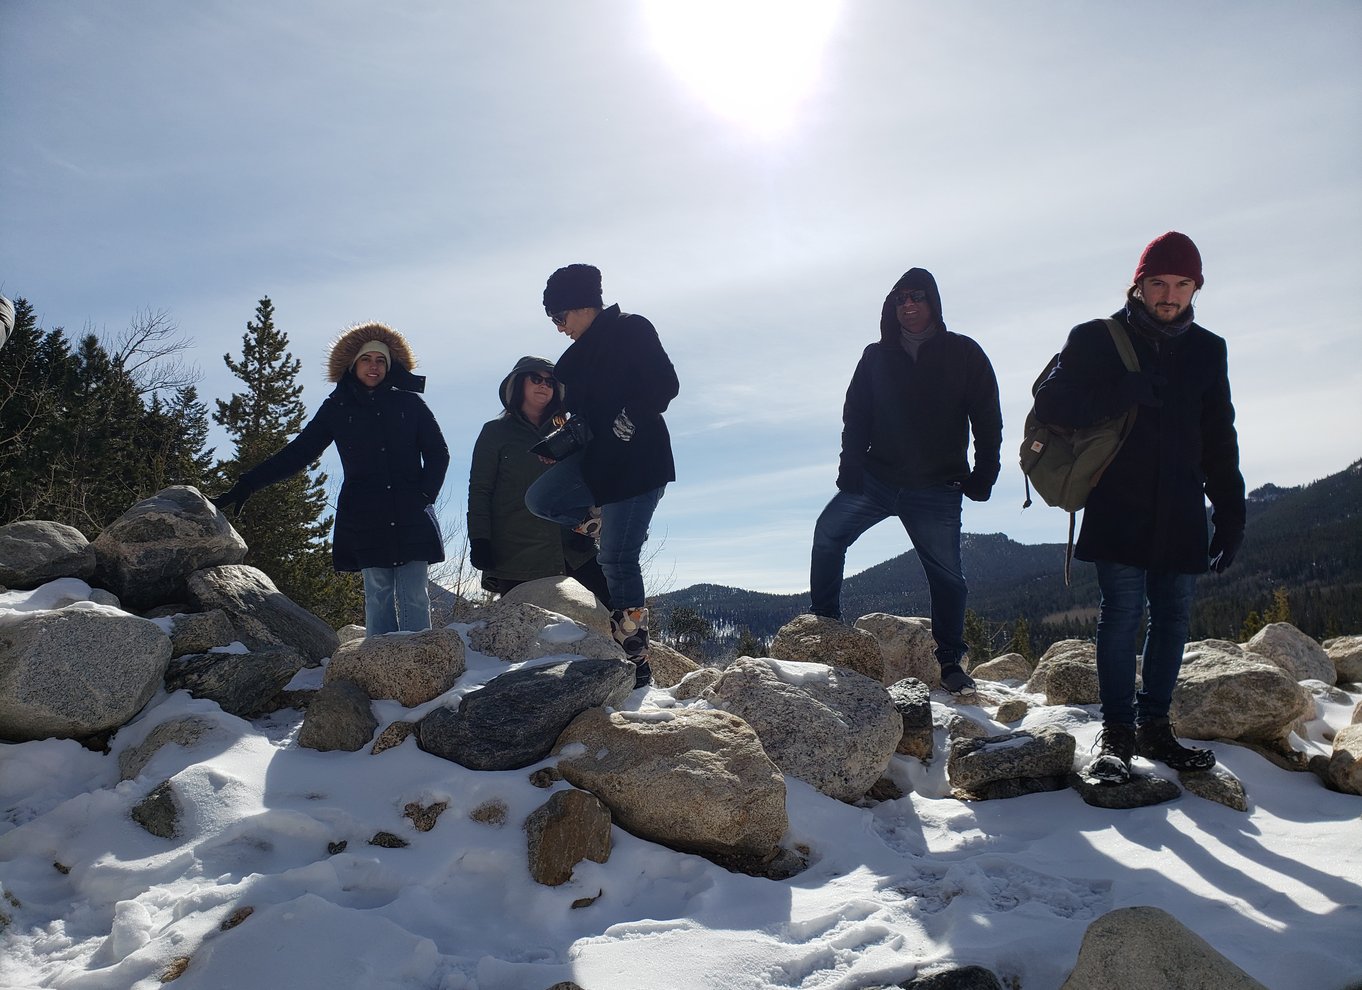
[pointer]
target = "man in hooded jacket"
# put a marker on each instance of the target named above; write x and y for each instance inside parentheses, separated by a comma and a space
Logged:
(915, 397)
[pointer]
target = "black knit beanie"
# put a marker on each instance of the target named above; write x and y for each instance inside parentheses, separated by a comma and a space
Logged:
(573, 287)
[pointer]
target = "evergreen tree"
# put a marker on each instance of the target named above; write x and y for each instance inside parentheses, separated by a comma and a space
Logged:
(688, 629)
(1281, 607)
(749, 645)
(287, 530)
(979, 639)
(1021, 639)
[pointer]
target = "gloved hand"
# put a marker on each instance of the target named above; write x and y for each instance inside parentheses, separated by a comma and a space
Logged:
(480, 553)
(233, 498)
(1225, 545)
(850, 477)
(976, 489)
(1141, 387)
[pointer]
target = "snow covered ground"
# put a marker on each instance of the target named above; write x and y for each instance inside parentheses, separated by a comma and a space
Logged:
(91, 901)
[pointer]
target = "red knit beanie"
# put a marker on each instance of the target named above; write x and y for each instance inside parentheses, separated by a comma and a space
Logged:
(1170, 254)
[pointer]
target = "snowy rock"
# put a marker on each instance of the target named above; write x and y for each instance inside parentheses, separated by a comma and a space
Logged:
(243, 684)
(912, 699)
(817, 639)
(1285, 644)
(669, 666)
(76, 671)
(1067, 674)
(338, 717)
(831, 727)
(349, 633)
(520, 631)
(199, 632)
(515, 719)
(1148, 948)
(1216, 784)
(1008, 667)
(568, 828)
(395, 734)
(146, 555)
(1346, 654)
(696, 683)
(159, 812)
(1140, 791)
(562, 595)
(35, 551)
(1222, 695)
(412, 668)
(960, 978)
(1343, 772)
(1012, 711)
(906, 645)
(695, 780)
(183, 731)
(259, 612)
(1042, 754)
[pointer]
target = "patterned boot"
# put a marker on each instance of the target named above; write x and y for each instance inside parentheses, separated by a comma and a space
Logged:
(630, 629)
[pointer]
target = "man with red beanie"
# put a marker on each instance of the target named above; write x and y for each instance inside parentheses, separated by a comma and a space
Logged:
(1144, 524)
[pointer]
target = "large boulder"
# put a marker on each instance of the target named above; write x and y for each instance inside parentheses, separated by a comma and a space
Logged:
(1067, 674)
(199, 632)
(35, 551)
(260, 613)
(817, 639)
(1008, 667)
(906, 645)
(76, 671)
(562, 595)
(1224, 695)
(339, 717)
(1148, 948)
(411, 668)
(515, 719)
(669, 666)
(146, 555)
(243, 684)
(1346, 654)
(1343, 769)
(1042, 754)
(695, 780)
(1287, 645)
(912, 699)
(831, 727)
(568, 828)
(519, 631)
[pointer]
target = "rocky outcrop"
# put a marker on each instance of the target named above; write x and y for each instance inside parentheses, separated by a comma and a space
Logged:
(244, 684)
(1008, 667)
(199, 632)
(907, 647)
(1067, 674)
(1011, 764)
(34, 552)
(562, 595)
(519, 631)
(817, 639)
(411, 668)
(669, 666)
(1346, 654)
(1342, 769)
(1287, 646)
(1226, 695)
(259, 612)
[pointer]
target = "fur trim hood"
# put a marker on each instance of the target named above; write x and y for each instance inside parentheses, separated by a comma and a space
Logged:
(345, 349)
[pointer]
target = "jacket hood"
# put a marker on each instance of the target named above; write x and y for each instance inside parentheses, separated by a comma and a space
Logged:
(913, 278)
(508, 388)
(347, 346)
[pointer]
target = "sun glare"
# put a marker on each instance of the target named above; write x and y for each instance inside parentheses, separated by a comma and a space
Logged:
(751, 61)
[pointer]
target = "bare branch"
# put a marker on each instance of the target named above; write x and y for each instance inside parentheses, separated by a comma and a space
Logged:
(149, 351)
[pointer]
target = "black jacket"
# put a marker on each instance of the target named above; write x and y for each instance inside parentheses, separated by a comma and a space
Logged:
(908, 422)
(618, 365)
(394, 460)
(1149, 508)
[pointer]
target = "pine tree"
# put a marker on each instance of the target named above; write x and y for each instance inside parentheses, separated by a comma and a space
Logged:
(978, 639)
(1021, 639)
(1281, 607)
(287, 530)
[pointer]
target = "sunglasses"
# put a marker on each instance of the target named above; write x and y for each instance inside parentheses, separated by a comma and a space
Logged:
(559, 318)
(916, 295)
(548, 380)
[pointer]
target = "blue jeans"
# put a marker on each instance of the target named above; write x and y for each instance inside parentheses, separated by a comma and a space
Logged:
(931, 517)
(1125, 590)
(561, 495)
(396, 599)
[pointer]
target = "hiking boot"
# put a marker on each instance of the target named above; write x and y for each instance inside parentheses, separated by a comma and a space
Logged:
(590, 527)
(1116, 748)
(1154, 740)
(956, 681)
(629, 626)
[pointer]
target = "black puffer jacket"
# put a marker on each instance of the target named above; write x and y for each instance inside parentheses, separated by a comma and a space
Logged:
(1149, 509)
(908, 422)
(618, 365)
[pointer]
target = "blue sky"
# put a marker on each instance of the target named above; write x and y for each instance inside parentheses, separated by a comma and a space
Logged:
(752, 177)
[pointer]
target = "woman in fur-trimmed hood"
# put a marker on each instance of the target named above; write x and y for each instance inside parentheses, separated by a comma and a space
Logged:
(393, 459)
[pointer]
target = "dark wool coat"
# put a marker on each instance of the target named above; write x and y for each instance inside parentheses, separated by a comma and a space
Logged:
(908, 422)
(1149, 508)
(618, 365)
(393, 458)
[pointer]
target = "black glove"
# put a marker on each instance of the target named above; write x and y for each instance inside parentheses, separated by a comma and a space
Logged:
(480, 553)
(233, 498)
(976, 489)
(850, 478)
(1225, 545)
(1141, 387)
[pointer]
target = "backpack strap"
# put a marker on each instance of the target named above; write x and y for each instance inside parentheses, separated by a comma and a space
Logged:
(1123, 345)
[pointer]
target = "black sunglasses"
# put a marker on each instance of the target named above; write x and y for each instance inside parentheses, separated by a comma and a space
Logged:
(917, 295)
(536, 379)
(559, 318)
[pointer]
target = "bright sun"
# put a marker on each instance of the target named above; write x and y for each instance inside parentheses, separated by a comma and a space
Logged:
(752, 61)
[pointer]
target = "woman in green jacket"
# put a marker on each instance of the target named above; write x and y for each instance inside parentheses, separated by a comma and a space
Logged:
(508, 543)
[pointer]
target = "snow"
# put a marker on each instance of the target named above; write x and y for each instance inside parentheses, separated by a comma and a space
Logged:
(94, 902)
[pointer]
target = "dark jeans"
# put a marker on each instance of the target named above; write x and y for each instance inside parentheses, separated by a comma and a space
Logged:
(1125, 590)
(932, 518)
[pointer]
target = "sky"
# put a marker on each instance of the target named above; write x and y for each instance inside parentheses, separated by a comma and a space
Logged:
(892, 890)
(752, 177)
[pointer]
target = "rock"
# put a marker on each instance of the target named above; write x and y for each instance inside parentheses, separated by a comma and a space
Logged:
(519, 631)
(669, 667)
(1285, 644)
(159, 812)
(76, 671)
(961, 978)
(346, 634)
(339, 718)
(394, 735)
(1344, 651)
(1012, 711)
(694, 780)
(884, 789)
(816, 639)
(831, 727)
(912, 699)
(1140, 791)
(906, 645)
(260, 613)
(1008, 667)
(242, 684)
(409, 667)
(1067, 674)
(146, 555)
(199, 632)
(33, 552)
(562, 595)
(1344, 769)
(1148, 948)
(183, 731)
(1357, 713)
(515, 719)
(568, 828)
(491, 813)
(1014, 787)
(696, 683)
(1216, 784)
(424, 816)
(1039, 753)
(1220, 695)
